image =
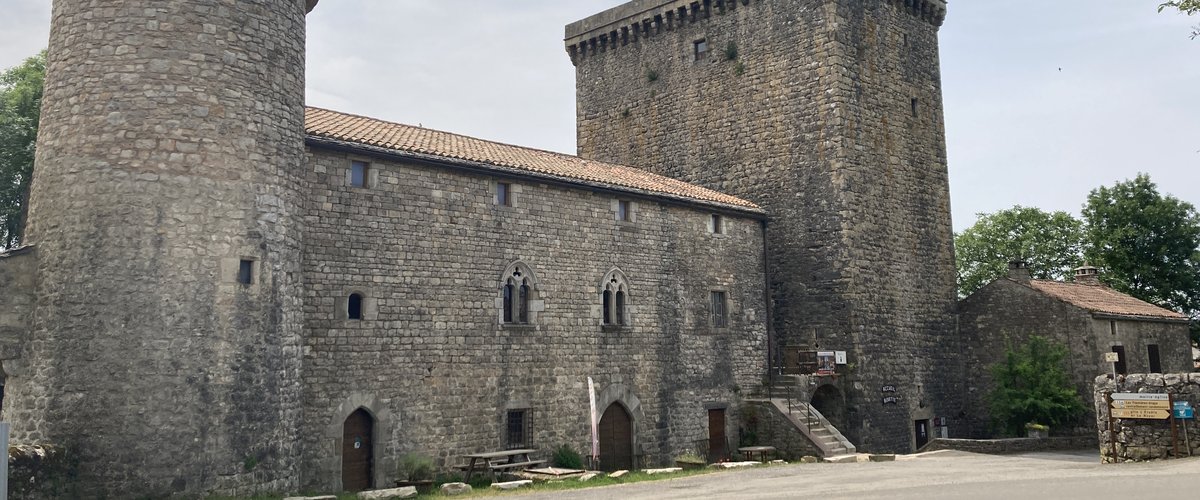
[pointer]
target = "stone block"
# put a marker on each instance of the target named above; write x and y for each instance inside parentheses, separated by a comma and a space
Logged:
(667, 470)
(453, 489)
(808, 459)
(617, 474)
(390, 493)
(512, 485)
(589, 476)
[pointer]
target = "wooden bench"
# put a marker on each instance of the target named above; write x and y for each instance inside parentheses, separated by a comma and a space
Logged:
(506, 467)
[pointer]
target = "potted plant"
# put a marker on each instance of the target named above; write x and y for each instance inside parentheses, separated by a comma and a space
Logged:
(690, 460)
(1036, 430)
(416, 470)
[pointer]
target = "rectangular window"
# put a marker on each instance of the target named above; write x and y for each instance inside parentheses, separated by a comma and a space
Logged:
(1120, 366)
(245, 272)
(624, 211)
(720, 316)
(358, 174)
(504, 194)
(700, 49)
(718, 224)
(916, 107)
(517, 426)
(1155, 362)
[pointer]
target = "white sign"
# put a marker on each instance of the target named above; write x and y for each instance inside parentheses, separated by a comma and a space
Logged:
(839, 357)
(1112, 357)
(1140, 396)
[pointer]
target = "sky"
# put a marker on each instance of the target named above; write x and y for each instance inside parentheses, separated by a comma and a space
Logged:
(1044, 100)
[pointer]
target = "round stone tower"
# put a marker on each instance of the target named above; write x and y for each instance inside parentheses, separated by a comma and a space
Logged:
(166, 213)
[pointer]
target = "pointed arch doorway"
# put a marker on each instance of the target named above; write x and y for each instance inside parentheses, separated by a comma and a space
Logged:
(357, 458)
(616, 439)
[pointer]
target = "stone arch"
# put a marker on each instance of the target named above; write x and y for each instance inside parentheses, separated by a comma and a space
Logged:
(622, 395)
(615, 298)
(830, 401)
(381, 436)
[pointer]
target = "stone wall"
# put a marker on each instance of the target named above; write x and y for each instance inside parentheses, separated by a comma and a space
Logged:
(1005, 313)
(1014, 445)
(170, 148)
(18, 278)
(772, 428)
(828, 113)
(428, 247)
(1138, 439)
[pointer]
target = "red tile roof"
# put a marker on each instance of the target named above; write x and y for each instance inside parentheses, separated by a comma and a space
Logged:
(1102, 299)
(360, 130)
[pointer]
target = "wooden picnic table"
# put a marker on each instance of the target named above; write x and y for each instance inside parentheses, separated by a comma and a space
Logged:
(761, 451)
(500, 461)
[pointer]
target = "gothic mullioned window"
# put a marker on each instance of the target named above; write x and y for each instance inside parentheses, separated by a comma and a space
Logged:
(518, 295)
(614, 298)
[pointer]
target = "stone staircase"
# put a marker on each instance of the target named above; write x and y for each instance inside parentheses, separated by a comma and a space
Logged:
(808, 420)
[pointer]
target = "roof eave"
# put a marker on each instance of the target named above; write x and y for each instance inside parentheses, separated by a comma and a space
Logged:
(481, 167)
(1132, 317)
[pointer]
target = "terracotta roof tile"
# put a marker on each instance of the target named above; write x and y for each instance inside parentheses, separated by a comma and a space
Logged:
(1099, 298)
(323, 123)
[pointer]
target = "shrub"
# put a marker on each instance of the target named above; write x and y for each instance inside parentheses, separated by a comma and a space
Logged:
(414, 467)
(1032, 386)
(566, 457)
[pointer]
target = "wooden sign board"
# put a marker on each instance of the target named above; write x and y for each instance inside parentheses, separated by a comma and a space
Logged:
(1140, 396)
(1140, 404)
(1139, 413)
(1112, 357)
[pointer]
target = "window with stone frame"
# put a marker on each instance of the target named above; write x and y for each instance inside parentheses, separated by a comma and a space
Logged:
(359, 174)
(518, 294)
(516, 424)
(719, 309)
(614, 299)
(354, 306)
(700, 49)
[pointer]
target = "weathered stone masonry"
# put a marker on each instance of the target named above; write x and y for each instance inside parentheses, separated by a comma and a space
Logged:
(836, 106)
(428, 245)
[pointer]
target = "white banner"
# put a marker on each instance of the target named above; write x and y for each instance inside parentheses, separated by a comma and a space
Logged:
(595, 422)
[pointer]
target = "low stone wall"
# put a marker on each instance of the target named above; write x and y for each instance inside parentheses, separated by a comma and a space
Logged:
(40, 472)
(772, 428)
(1138, 439)
(1015, 445)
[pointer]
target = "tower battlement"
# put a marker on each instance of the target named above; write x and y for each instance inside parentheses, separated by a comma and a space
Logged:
(639, 19)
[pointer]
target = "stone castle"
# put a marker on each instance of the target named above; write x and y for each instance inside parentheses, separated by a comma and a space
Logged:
(225, 291)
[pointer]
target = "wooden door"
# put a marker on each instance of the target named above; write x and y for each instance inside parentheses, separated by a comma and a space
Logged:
(616, 439)
(356, 451)
(716, 436)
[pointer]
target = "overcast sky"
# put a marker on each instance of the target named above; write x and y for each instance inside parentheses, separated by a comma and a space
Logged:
(1045, 100)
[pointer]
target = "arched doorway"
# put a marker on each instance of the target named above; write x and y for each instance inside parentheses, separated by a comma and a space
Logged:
(828, 400)
(357, 438)
(616, 439)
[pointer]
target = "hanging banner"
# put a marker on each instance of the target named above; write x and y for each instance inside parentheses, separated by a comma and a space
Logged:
(595, 427)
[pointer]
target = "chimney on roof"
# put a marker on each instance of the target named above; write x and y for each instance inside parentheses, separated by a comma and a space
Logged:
(1087, 275)
(1018, 270)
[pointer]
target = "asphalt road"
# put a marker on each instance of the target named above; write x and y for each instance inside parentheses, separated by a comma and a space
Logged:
(937, 475)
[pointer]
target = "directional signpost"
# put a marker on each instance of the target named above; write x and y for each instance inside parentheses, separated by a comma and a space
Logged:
(1143, 406)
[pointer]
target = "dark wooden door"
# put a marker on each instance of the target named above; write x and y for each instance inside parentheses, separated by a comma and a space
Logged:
(356, 451)
(616, 439)
(716, 436)
(922, 431)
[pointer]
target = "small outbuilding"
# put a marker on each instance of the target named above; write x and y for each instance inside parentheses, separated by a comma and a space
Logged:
(1085, 315)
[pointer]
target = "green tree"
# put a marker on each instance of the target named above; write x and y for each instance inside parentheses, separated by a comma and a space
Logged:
(20, 107)
(1051, 243)
(1188, 7)
(1031, 386)
(1147, 243)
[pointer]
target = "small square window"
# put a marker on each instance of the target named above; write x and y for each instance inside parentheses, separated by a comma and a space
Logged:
(245, 272)
(718, 224)
(504, 194)
(624, 211)
(358, 174)
(720, 311)
(700, 49)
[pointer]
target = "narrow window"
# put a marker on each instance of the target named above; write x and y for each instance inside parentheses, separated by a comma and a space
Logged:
(1120, 366)
(354, 306)
(518, 429)
(523, 305)
(246, 272)
(916, 107)
(620, 316)
(358, 174)
(508, 302)
(608, 307)
(1112, 327)
(624, 211)
(504, 194)
(720, 318)
(700, 49)
(718, 224)
(1155, 362)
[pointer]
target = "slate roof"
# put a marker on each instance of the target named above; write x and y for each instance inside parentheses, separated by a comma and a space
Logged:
(1102, 299)
(360, 130)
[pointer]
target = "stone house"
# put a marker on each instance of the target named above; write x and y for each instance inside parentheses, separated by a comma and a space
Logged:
(1086, 316)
